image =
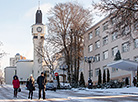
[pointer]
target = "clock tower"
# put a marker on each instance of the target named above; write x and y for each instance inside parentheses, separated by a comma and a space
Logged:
(38, 32)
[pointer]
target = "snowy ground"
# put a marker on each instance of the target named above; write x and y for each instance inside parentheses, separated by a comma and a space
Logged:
(73, 95)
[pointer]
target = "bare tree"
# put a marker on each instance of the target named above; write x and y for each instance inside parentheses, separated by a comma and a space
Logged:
(47, 57)
(124, 14)
(2, 52)
(67, 22)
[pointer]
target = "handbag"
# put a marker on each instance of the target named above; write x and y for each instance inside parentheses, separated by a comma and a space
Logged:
(19, 89)
(33, 88)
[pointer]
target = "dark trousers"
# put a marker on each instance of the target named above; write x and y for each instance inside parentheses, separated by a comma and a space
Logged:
(30, 94)
(43, 93)
(15, 92)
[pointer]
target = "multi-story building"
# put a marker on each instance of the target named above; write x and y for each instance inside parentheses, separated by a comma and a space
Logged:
(14, 60)
(103, 45)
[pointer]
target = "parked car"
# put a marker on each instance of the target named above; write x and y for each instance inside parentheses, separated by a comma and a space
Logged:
(50, 86)
(65, 86)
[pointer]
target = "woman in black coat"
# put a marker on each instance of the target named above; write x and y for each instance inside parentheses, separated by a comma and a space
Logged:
(30, 86)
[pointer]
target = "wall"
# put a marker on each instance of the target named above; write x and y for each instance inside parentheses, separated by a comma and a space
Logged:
(24, 69)
(9, 73)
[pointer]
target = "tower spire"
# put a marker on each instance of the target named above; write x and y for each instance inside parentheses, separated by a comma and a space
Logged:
(39, 14)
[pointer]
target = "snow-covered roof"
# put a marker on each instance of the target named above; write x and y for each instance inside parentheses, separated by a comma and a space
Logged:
(124, 65)
(25, 60)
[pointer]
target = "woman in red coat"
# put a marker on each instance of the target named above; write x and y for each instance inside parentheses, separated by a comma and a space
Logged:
(16, 85)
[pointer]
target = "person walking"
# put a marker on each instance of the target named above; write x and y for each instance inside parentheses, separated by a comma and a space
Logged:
(41, 81)
(30, 86)
(16, 85)
(134, 81)
(90, 83)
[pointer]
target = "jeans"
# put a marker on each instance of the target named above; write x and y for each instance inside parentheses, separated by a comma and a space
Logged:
(43, 93)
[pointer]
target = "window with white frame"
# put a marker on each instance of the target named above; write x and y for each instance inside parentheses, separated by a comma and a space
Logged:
(105, 26)
(114, 35)
(97, 31)
(126, 30)
(97, 71)
(105, 40)
(136, 58)
(97, 44)
(125, 47)
(136, 43)
(90, 35)
(90, 48)
(105, 55)
(114, 50)
(97, 58)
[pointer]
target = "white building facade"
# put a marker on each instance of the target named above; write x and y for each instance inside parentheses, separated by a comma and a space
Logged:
(103, 46)
(24, 69)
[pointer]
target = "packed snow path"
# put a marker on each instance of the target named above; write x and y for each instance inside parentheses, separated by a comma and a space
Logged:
(74, 95)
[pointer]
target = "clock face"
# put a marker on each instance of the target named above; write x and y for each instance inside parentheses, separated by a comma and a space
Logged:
(39, 29)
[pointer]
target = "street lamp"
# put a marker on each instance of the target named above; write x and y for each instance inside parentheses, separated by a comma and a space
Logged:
(64, 67)
(89, 60)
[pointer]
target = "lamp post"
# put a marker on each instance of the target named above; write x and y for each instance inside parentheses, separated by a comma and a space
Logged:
(64, 67)
(89, 61)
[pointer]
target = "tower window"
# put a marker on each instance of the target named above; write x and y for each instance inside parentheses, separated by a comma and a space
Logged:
(35, 37)
(42, 37)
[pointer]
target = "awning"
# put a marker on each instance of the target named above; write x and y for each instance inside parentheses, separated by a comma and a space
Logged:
(124, 65)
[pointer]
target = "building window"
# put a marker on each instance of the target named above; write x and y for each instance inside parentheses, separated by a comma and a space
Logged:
(105, 40)
(136, 58)
(97, 71)
(90, 35)
(97, 31)
(136, 43)
(114, 70)
(97, 58)
(126, 30)
(97, 44)
(114, 51)
(105, 55)
(113, 20)
(114, 35)
(105, 26)
(125, 47)
(90, 48)
(35, 37)
(42, 37)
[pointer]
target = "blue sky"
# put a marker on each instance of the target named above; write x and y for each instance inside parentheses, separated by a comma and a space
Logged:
(16, 18)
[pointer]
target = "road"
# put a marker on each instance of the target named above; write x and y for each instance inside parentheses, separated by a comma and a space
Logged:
(6, 95)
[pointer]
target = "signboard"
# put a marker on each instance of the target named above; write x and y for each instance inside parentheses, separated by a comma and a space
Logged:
(56, 74)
